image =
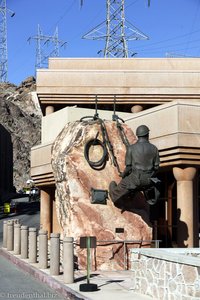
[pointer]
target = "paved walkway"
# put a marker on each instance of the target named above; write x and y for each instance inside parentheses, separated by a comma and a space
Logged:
(16, 284)
(115, 285)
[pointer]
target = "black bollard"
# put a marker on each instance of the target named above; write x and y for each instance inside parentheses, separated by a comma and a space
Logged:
(88, 242)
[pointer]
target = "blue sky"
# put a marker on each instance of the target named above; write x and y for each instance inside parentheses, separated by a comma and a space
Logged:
(173, 27)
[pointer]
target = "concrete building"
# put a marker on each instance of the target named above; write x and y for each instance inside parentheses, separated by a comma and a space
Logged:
(164, 94)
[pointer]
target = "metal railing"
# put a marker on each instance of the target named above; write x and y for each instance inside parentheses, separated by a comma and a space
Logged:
(124, 243)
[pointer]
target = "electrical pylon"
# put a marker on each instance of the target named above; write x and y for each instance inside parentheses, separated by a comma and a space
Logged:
(116, 31)
(3, 41)
(42, 42)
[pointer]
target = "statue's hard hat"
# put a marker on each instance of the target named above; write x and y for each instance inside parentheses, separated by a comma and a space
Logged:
(142, 130)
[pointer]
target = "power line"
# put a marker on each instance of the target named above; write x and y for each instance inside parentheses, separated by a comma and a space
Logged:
(155, 51)
(146, 49)
(177, 55)
(66, 11)
(171, 39)
(193, 23)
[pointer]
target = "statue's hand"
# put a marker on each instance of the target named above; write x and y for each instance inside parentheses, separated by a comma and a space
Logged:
(126, 172)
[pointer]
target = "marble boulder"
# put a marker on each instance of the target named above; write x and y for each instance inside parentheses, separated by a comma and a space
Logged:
(74, 179)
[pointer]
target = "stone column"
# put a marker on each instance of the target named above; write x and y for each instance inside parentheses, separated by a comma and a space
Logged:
(43, 249)
(10, 235)
(55, 254)
(24, 241)
(136, 108)
(49, 110)
(17, 239)
(55, 224)
(185, 212)
(46, 211)
(32, 245)
(5, 229)
(68, 260)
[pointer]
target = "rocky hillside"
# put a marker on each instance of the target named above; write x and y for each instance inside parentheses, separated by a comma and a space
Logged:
(20, 115)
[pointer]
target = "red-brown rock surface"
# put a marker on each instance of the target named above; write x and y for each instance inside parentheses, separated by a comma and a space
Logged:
(74, 180)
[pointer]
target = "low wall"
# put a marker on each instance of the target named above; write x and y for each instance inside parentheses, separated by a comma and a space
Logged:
(166, 274)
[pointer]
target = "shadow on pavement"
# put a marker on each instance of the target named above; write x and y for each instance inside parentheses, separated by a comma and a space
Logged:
(111, 281)
(85, 277)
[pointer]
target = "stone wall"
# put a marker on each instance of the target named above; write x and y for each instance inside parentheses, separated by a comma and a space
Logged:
(166, 274)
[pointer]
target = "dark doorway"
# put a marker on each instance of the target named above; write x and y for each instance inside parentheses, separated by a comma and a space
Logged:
(6, 165)
(163, 215)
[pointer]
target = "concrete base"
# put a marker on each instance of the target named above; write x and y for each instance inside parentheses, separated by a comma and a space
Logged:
(88, 287)
(117, 285)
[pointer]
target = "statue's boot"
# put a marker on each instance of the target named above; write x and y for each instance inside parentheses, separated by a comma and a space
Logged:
(117, 193)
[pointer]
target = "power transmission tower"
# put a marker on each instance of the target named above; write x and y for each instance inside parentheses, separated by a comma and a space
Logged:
(42, 50)
(3, 40)
(116, 31)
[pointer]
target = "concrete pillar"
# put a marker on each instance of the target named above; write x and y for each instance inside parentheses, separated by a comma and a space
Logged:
(45, 211)
(185, 232)
(55, 254)
(55, 224)
(10, 235)
(32, 245)
(68, 260)
(49, 110)
(43, 249)
(17, 239)
(24, 241)
(5, 229)
(136, 108)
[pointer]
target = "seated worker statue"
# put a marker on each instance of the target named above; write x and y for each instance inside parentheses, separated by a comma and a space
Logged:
(142, 162)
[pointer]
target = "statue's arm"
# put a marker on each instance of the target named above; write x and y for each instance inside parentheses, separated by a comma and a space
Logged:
(156, 161)
(128, 163)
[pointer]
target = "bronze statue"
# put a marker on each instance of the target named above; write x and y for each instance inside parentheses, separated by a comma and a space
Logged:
(142, 162)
